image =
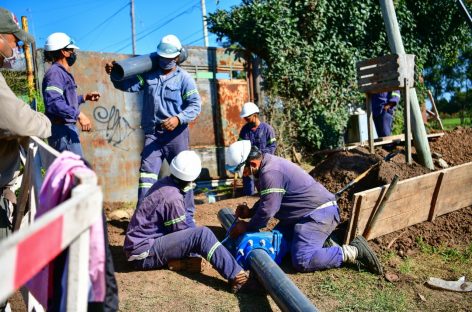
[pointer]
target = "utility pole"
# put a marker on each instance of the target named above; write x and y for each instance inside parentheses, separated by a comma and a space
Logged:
(133, 32)
(420, 139)
(205, 31)
(29, 61)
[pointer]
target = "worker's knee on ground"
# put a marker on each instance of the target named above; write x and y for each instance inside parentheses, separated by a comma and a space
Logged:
(205, 233)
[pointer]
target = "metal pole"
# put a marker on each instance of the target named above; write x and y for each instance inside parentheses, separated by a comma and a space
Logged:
(396, 46)
(133, 30)
(281, 288)
(205, 30)
(465, 12)
(29, 61)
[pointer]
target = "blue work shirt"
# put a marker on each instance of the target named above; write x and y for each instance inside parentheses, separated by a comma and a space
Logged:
(263, 137)
(287, 193)
(174, 94)
(60, 95)
(162, 211)
(379, 100)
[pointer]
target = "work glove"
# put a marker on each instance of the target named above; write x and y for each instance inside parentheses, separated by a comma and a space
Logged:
(109, 67)
(243, 211)
(239, 228)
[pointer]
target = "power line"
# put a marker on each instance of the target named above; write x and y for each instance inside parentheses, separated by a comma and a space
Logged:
(190, 36)
(189, 10)
(150, 27)
(105, 21)
(201, 38)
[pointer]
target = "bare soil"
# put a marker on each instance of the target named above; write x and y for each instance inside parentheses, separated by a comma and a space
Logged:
(163, 290)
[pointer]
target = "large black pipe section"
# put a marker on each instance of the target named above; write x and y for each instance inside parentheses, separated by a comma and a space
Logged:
(140, 64)
(281, 288)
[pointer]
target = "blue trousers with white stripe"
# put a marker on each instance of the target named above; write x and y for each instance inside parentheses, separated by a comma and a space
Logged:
(197, 240)
(158, 146)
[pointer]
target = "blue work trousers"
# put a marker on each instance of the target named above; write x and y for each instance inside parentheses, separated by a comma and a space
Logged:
(158, 146)
(304, 240)
(65, 138)
(197, 240)
(383, 123)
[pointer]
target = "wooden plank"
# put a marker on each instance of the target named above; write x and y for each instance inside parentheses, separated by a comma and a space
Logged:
(432, 211)
(24, 191)
(378, 69)
(413, 200)
(377, 60)
(390, 139)
(385, 77)
(435, 109)
(380, 87)
(351, 233)
(77, 276)
(408, 137)
(370, 123)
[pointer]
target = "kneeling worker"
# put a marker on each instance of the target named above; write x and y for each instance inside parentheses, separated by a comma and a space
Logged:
(159, 233)
(306, 210)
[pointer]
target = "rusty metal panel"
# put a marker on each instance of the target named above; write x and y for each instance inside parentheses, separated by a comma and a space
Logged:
(232, 94)
(114, 145)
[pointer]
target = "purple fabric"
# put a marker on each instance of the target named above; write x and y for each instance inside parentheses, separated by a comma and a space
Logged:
(383, 123)
(263, 137)
(157, 147)
(197, 240)
(60, 94)
(162, 211)
(287, 192)
(383, 98)
(306, 238)
(55, 189)
(165, 96)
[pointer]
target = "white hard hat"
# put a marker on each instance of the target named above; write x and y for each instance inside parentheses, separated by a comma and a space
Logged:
(236, 156)
(169, 47)
(186, 166)
(58, 41)
(249, 108)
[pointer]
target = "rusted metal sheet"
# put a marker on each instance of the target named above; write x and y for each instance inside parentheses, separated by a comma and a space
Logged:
(114, 145)
(232, 94)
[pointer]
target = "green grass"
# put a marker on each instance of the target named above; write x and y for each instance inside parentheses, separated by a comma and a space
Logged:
(451, 123)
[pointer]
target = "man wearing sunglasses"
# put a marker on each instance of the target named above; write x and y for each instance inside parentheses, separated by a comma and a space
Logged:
(60, 95)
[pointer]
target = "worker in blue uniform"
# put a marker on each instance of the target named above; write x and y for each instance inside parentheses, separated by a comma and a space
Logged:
(383, 109)
(306, 210)
(159, 234)
(260, 134)
(60, 95)
(171, 101)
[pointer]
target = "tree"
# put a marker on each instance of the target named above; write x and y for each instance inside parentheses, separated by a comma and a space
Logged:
(310, 48)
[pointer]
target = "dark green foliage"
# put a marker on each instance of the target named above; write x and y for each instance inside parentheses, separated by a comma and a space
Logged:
(310, 48)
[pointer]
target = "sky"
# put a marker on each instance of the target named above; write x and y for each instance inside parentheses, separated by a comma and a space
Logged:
(105, 25)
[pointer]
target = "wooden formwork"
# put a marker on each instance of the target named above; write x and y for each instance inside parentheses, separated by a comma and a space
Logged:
(414, 200)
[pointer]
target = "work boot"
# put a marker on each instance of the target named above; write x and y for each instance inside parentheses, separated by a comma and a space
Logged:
(239, 281)
(190, 264)
(366, 256)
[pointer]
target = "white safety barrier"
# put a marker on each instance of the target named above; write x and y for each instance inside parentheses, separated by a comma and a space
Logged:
(37, 243)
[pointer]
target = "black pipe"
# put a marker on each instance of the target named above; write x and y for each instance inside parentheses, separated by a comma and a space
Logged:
(281, 288)
(140, 64)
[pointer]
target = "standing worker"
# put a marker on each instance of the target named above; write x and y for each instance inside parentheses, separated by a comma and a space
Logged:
(17, 122)
(60, 95)
(171, 101)
(383, 109)
(306, 210)
(159, 235)
(260, 134)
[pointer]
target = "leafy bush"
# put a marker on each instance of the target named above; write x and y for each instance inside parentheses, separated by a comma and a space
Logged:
(310, 48)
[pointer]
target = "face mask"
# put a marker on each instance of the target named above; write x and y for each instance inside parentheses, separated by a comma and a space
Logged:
(13, 62)
(167, 64)
(71, 59)
(188, 187)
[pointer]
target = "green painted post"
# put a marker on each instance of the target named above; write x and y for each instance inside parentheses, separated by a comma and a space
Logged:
(418, 130)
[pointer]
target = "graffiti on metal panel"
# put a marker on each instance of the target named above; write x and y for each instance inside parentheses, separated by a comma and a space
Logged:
(118, 128)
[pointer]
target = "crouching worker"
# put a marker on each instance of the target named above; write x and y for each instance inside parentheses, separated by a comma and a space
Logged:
(306, 210)
(159, 233)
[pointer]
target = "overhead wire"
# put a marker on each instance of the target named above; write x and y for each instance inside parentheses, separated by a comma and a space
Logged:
(105, 21)
(152, 27)
(189, 10)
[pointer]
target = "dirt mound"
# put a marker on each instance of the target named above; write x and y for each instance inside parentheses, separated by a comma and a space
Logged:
(339, 168)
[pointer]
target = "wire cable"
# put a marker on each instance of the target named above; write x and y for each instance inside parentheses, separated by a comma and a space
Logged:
(105, 21)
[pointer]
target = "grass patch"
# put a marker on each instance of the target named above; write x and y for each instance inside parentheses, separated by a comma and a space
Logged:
(451, 123)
